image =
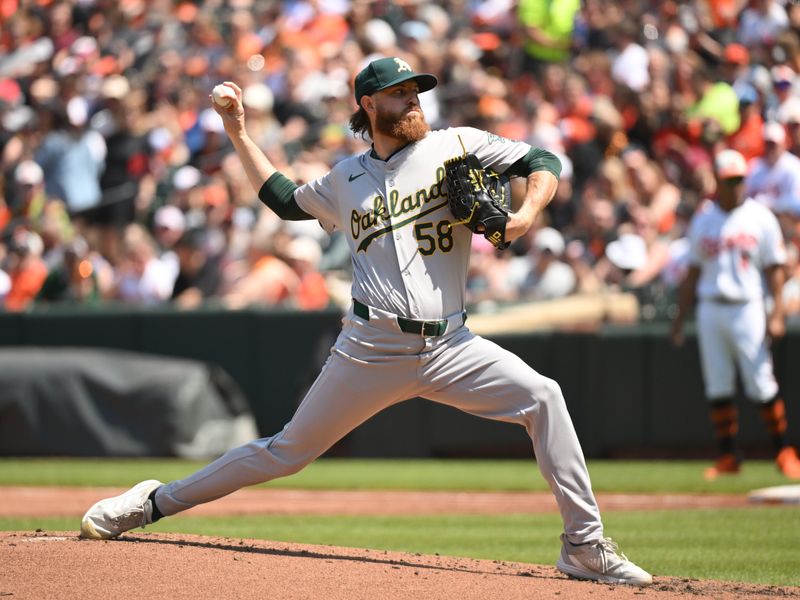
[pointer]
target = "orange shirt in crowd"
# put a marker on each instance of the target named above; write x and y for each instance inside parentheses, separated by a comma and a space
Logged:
(25, 284)
(8, 8)
(5, 216)
(749, 139)
(723, 13)
(270, 281)
(312, 292)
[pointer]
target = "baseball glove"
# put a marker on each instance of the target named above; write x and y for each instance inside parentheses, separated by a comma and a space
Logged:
(479, 198)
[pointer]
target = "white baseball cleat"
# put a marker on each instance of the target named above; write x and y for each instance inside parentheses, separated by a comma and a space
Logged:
(113, 516)
(600, 560)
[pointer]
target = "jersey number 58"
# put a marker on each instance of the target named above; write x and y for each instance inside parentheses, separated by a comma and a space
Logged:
(428, 244)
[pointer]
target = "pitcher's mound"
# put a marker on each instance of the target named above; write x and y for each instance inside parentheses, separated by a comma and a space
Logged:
(148, 565)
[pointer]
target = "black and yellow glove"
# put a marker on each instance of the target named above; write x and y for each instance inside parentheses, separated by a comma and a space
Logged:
(479, 198)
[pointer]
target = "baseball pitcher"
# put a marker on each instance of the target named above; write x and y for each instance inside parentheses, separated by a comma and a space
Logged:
(408, 208)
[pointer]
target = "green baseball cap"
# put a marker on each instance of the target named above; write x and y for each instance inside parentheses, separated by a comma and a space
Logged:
(386, 72)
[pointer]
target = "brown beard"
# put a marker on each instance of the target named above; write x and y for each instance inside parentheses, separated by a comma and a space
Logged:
(410, 127)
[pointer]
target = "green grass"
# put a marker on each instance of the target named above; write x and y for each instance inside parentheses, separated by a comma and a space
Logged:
(754, 544)
(757, 545)
(477, 475)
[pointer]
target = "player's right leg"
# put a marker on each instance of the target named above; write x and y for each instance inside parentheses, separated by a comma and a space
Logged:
(717, 360)
(725, 419)
(354, 384)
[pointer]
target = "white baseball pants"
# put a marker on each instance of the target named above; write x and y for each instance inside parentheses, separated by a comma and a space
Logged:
(734, 336)
(372, 366)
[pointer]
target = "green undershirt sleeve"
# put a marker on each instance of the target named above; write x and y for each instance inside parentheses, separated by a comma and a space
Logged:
(536, 159)
(278, 194)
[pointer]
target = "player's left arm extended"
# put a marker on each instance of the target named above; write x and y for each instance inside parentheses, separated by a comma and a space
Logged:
(543, 169)
(776, 320)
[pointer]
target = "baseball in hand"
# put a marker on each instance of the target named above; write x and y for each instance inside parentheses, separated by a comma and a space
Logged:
(222, 95)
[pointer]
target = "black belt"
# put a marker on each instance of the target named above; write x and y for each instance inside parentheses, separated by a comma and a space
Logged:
(724, 300)
(425, 328)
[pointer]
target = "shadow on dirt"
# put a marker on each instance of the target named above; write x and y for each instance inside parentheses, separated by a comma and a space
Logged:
(242, 546)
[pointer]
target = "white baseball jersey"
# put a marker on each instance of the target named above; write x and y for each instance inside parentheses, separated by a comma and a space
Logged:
(395, 216)
(732, 249)
(777, 185)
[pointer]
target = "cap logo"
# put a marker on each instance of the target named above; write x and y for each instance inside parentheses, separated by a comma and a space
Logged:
(386, 72)
(402, 65)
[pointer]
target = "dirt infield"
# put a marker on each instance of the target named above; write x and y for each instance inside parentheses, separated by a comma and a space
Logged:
(60, 565)
(149, 565)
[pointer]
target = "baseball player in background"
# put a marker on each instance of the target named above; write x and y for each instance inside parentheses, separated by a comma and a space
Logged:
(404, 335)
(735, 243)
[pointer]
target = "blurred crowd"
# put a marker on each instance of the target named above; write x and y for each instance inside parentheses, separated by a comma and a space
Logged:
(118, 184)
